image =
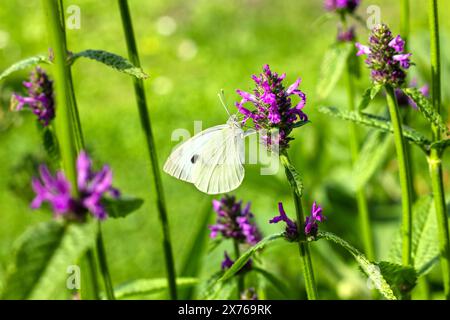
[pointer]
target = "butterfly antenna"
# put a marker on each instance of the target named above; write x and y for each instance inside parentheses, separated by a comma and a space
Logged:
(221, 96)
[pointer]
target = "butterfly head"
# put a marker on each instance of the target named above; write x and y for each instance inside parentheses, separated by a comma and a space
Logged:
(234, 121)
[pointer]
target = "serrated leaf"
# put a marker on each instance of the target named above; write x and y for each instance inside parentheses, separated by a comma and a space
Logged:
(112, 60)
(332, 68)
(402, 278)
(368, 96)
(243, 259)
(377, 122)
(276, 282)
(441, 145)
(425, 244)
(293, 176)
(50, 143)
(39, 267)
(121, 207)
(371, 156)
(426, 108)
(24, 64)
(147, 287)
(369, 268)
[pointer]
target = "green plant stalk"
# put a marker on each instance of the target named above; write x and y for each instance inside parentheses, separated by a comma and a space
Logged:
(104, 265)
(303, 246)
(405, 178)
(240, 277)
(361, 199)
(147, 129)
(67, 122)
(435, 158)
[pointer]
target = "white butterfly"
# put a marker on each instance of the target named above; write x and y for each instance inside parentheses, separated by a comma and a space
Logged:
(213, 159)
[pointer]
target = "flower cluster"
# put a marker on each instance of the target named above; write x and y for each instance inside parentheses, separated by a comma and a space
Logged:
(311, 226)
(234, 222)
(386, 57)
(405, 101)
(342, 5)
(273, 107)
(92, 187)
(40, 97)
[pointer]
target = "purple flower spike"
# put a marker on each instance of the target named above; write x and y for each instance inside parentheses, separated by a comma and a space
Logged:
(92, 188)
(291, 231)
(386, 57)
(40, 97)
(273, 107)
(311, 226)
(233, 222)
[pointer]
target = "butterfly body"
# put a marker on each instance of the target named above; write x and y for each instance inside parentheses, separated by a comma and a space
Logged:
(212, 160)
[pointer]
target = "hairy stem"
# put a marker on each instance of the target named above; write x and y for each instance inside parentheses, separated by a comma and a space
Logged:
(435, 158)
(305, 255)
(147, 129)
(240, 277)
(405, 178)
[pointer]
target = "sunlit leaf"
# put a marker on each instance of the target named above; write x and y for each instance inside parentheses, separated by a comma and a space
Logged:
(24, 64)
(147, 287)
(112, 60)
(370, 269)
(42, 255)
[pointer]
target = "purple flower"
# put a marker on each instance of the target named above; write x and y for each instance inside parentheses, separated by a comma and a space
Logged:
(311, 226)
(291, 231)
(233, 222)
(40, 97)
(386, 57)
(342, 5)
(57, 190)
(404, 101)
(273, 109)
(227, 262)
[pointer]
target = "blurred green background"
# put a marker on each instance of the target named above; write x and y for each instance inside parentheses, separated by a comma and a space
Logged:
(191, 49)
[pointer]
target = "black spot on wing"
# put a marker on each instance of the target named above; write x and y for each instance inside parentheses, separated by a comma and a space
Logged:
(194, 158)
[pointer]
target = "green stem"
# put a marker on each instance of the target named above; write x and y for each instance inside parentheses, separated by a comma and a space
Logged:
(435, 158)
(92, 291)
(104, 265)
(147, 129)
(68, 125)
(240, 277)
(405, 178)
(305, 255)
(361, 199)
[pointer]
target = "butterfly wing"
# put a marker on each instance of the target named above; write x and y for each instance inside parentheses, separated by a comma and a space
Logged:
(182, 160)
(219, 167)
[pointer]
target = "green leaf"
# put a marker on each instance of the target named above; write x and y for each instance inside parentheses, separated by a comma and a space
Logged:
(239, 263)
(426, 108)
(368, 96)
(369, 268)
(293, 176)
(50, 143)
(147, 287)
(112, 60)
(274, 280)
(121, 207)
(371, 157)
(377, 122)
(425, 244)
(217, 290)
(39, 266)
(402, 278)
(441, 145)
(24, 64)
(332, 68)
